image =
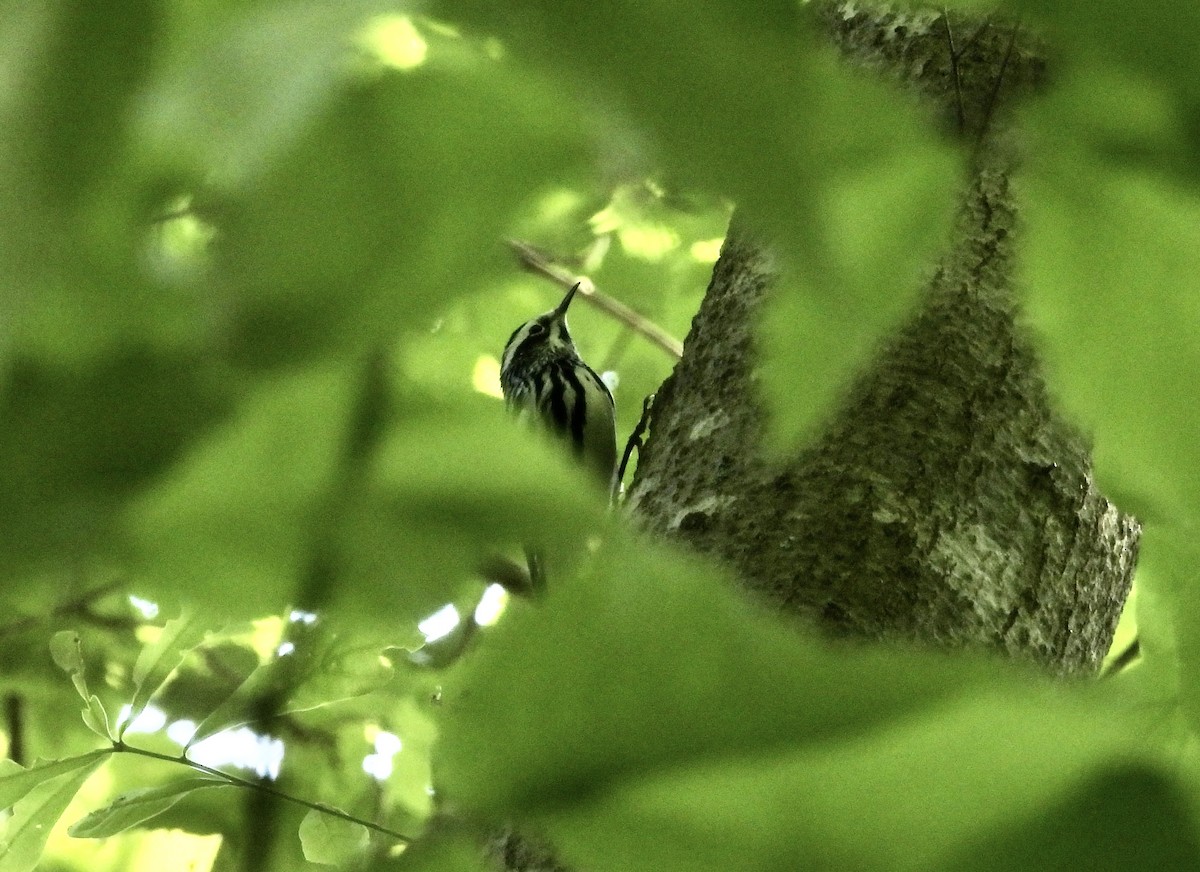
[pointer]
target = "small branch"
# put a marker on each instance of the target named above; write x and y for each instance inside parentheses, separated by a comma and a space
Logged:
(261, 787)
(1124, 659)
(79, 606)
(997, 84)
(537, 262)
(958, 98)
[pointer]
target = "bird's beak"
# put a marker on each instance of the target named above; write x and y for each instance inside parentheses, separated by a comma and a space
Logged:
(560, 311)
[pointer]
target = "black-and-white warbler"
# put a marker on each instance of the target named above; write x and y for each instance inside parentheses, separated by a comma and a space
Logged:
(541, 372)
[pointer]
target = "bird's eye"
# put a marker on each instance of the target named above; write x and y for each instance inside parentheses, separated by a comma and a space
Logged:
(537, 329)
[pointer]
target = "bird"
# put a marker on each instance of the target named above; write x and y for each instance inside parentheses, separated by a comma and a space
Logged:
(542, 374)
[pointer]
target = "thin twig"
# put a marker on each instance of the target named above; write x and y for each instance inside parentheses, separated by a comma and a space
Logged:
(537, 262)
(78, 605)
(993, 98)
(1124, 659)
(261, 787)
(958, 101)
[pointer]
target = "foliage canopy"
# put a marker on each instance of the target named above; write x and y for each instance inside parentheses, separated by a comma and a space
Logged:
(254, 286)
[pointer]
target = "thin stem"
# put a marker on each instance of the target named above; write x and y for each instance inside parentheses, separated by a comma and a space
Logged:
(261, 788)
(958, 100)
(537, 262)
(996, 85)
(76, 606)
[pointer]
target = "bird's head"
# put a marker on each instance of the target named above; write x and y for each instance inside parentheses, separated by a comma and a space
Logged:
(540, 339)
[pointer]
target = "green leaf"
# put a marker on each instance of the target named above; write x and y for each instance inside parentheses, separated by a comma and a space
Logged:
(246, 90)
(447, 489)
(157, 661)
(315, 156)
(443, 851)
(35, 814)
(331, 841)
(1127, 818)
(95, 61)
(235, 514)
(909, 795)
(16, 782)
(136, 807)
(1158, 46)
(318, 671)
(1114, 303)
(96, 718)
(1168, 591)
(83, 438)
(648, 661)
(67, 651)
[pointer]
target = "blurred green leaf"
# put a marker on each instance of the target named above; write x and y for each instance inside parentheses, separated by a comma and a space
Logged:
(95, 60)
(136, 807)
(243, 87)
(908, 795)
(1159, 45)
(35, 814)
(235, 514)
(1114, 302)
(324, 123)
(79, 440)
(442, 851)
(648, 661)
(835, 172)
(1125, 819)
(331, 841)
(1169, 562)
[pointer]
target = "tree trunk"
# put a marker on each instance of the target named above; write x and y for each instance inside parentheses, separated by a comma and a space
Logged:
(945, 501)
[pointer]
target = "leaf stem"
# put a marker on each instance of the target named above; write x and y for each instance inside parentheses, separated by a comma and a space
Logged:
(121, 747)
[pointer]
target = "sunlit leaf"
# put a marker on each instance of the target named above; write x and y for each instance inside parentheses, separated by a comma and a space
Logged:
(96, 718)
(67, 651)
(157, 661)
(35, 814)
(136, 807)
(316, 671)
(331, 841)
(16, 781)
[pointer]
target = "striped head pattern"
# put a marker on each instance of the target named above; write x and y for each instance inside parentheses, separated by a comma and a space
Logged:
(541, 370)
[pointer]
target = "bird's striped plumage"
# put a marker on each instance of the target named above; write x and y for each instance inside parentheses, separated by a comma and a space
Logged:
(540, 371)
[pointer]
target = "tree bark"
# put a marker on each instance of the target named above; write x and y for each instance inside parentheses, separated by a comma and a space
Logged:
(945, 502)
